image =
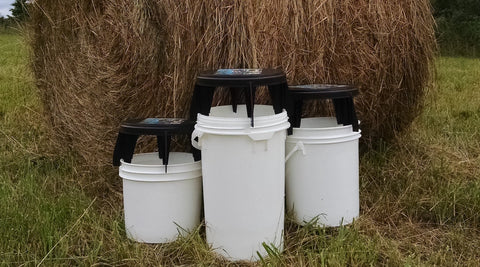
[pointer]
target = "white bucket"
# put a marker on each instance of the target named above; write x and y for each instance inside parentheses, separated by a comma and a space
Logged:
(243, 179)
(322, 173)
(159, 206)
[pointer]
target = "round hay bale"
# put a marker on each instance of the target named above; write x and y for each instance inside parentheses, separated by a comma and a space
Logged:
(99, 62)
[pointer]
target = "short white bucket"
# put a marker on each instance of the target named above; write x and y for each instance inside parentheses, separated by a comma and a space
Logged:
(243, 179)
(159, 206)
(322, 173)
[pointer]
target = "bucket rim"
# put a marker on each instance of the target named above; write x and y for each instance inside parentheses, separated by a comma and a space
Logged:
(244, 131)
(156, 172)
(260, 122)
(320, 129)
(242, 125)
(264, 120)
(160, 177)
(161, 165)
(324, 140)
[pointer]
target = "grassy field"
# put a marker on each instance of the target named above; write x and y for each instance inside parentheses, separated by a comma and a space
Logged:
(420, 196)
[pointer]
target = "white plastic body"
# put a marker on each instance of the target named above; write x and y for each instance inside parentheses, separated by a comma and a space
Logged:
(159, 206)
(322, 181)
(243, 180)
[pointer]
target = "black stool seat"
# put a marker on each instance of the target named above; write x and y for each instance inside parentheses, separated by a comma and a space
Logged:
(246, 80)
(324, 91)
(163, 128)
(341, 96)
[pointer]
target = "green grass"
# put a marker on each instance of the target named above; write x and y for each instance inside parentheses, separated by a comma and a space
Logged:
(420, 196)
(424, 191)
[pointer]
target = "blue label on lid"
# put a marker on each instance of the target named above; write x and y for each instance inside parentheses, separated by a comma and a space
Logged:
(239, 71)
(162, 121)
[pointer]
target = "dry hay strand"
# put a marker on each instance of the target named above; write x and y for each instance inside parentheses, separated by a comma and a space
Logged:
(99, 62)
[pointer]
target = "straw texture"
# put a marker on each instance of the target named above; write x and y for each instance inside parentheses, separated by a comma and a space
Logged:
(99, 62)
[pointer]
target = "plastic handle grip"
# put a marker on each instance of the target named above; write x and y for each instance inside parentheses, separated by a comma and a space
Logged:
(196, 134)
(298, 146)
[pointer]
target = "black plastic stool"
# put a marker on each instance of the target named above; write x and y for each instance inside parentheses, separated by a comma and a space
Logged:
(341, 96)
(246, 80)
(163, 128)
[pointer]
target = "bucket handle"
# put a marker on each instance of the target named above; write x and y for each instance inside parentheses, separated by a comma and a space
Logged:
(298, 146)
(196, 134)
(261, 136)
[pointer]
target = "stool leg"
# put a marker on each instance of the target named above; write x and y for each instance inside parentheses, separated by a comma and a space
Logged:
(339, 105)
(124, 148)
(195, 105)
(163, 143)
(352, 114)
(201, 101)
(117, 153)
(197, 154)
(277, 94)
(250, 101)
(290, 107)
(297, 115)
(345, 112)
(294, 107)
(234, 98)
(246, 92)
(284, 90)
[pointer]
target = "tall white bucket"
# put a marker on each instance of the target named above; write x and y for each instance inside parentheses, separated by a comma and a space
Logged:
(243, 179)
(159, 206)
(322, 172)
